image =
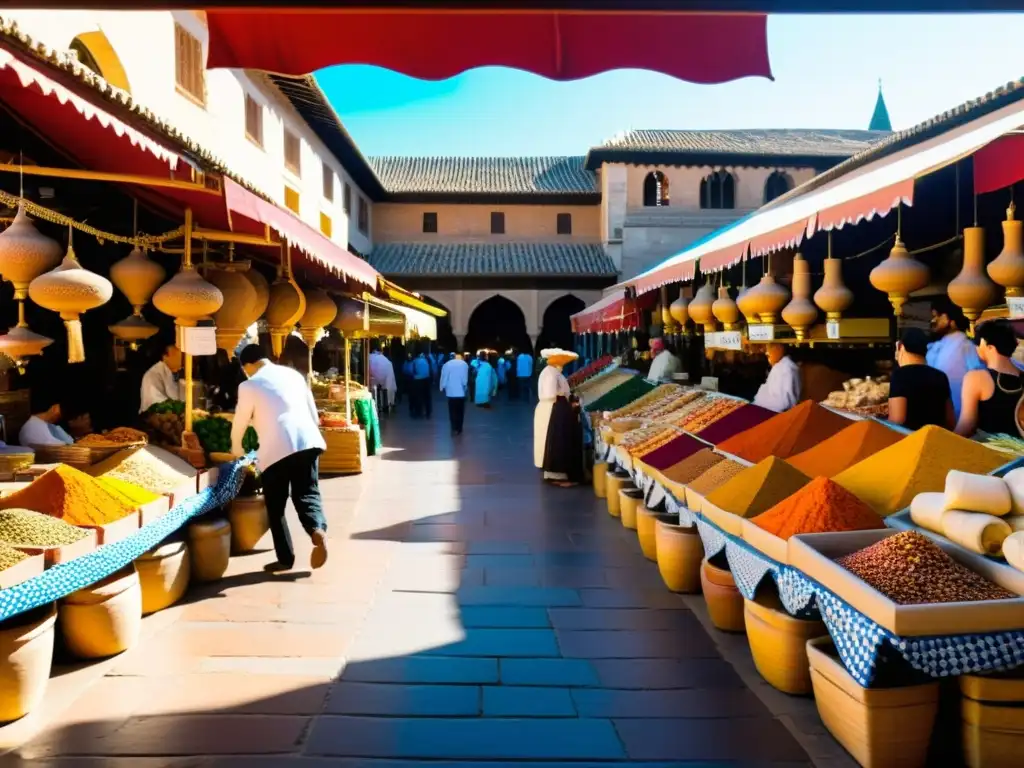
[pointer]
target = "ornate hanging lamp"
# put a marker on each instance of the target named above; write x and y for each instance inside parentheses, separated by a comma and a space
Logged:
(700, 307)
(899, 275)
(971, 290)
(285, 306)
(241, 307)
(833, 298)
(725, 310)
(189, 299)
(800, 313)
(766, 299)
(1007, 269)
(137, 277)
(320, 312)
(71, 290)
(680, 310)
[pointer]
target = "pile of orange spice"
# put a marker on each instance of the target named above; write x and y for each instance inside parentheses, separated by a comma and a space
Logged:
(66, 493)
(787, 434)
(845, 448)
(821, 506)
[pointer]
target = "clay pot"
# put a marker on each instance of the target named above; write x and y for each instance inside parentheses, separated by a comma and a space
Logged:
(768, 300)
(724, 601)
(800, 313)
(351, 317)
(899, 276)
(700, 307)
(285, 307)
(25, 253)
(209, 549)
(26, 657)
(262, 287)
(745, 305)
(1007, 269)
(833, 298)
(971, 290)
(680, 309)
(320, 311)
(249, 523)
(680, 552)
(137, 277)
(70, 290)
(103, 619)
(188, 298)
(725, 310)
(240, 308)
(163, 575)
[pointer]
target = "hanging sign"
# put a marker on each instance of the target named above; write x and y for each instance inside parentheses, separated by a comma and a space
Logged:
(761, 332)
(197, 341)
(1016, 306)
(724, 340)
(832, 329)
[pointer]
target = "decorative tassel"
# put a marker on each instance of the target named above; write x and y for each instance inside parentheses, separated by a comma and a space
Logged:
(76, 346)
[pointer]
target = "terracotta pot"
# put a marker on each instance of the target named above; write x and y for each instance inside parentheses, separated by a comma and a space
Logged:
(137, 276)
(104, 619)
(163, 576)
(833, 298)
(700, 307)
(248, 518)
(629, 499)
(26, 656)
(599, 478)
(778, 643)
(1007, 269)
(744, 304)
(286, 305)
(646, 531)
(320, 311)
(725, 310)
(680, 309)
(679, 551)
(724, 601)
(899, 276)
(971, 290)
(209, 549)
(768, 299)
(800, 313)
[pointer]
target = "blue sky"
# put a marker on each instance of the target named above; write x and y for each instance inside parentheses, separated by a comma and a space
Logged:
(826, 73)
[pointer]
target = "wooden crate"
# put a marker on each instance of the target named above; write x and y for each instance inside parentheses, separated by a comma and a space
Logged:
(346, 451)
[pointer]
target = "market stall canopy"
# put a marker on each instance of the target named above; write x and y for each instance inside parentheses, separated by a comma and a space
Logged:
(869, 184)
(417, 324)
(435, 43)
(612, 314)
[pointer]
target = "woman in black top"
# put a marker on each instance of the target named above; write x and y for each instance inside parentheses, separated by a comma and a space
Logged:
(918, 394)
(990, 396)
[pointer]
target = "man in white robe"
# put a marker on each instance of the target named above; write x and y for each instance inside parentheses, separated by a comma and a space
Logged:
(382, 374)
(781, 390)
(664, 364)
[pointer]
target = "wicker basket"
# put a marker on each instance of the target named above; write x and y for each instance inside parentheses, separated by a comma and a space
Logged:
(98, 453)
(75, 456)
(346, 451)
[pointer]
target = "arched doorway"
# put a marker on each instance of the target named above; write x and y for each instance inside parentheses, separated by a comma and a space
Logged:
(497, 323)
(556, 328)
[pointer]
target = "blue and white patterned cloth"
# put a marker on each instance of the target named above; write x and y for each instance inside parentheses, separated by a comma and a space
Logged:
(63, 579)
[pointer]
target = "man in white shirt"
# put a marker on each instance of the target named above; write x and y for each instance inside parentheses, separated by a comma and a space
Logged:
(454, 382)
(524, 376)
(664, 364)
(158, 383)
(382, 374)
(42, 428)
(278, 404)
(781, 390)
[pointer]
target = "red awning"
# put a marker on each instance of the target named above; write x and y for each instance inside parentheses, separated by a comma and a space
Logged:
(676, 274)
(434, 44)
(317, 247)
(78, 126)
(999, 164)
(612, 314)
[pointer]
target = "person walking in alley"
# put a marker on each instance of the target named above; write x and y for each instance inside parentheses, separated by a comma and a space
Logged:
(524, 376)
(485, 385)
(277, 403)
(421, 384)
(454, 384)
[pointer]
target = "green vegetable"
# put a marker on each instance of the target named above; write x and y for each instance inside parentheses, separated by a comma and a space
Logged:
(167, 406)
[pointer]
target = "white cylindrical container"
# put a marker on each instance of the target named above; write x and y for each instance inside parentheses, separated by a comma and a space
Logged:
(926, 511)
(980, 533)
(977, 493)
(1013, 550)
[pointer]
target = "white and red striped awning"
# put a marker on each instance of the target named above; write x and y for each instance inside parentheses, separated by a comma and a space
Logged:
(612, 314)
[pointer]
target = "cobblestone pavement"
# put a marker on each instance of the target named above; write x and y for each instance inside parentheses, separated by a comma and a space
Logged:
(468, 614)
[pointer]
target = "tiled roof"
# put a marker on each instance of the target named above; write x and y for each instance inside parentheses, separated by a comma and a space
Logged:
(484, 175)
(776, 142)
(484, 259)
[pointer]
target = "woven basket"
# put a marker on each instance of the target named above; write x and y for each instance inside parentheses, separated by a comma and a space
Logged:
(75, 456)
(98, 453)
(11, 460)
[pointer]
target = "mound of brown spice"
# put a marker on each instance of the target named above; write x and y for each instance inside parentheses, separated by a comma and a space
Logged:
(721, 472)
(911, 570)
(693, 466)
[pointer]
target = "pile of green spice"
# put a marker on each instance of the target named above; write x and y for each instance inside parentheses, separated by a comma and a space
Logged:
(25, 528)
(10, 556)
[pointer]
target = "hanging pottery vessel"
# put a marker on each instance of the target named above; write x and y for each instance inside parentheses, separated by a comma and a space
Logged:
(188, 298)
(700, 307)
(25, 253)
(285, 307)
(746, 304)
(132, 330)
(1007, 269)
(71, 290)
(800, 313)
(241, 306)
(262, 287)
(725, 310)
(320, 311)
(21, 342)
(768, 300)
(833, 298)
(971, 290)
(351, 317)
(137, 277)
(680, 310)
(898, 276)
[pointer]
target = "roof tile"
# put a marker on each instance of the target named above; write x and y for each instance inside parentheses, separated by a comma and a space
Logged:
(781, 141)
(484, 175)
(480, 259)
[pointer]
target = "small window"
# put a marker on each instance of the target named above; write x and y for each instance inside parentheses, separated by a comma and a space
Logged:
(253, 121)
(497, 223)
(326, 226)
(291, 199)
(430, 222)
(363, 215)
(292, 153)
(656, 190)
(777, 184)
(189, 65)
(328, 183)
(718, 191)
(564, 224)
(347, 198)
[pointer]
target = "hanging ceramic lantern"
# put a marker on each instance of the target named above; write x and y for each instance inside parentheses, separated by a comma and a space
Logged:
(899, 275)
(132, 330)
(21, 342)
(71, 290)
(320, 311)
(351, 317)
(833, 298)
(284, 309)
(240, 308)
(800, 313)
(680, 310)
(971, 290)
(188, 298)
(743, 303)
(262, 287)
(700, 307)
(1007, 268)
(137, 277)
(25, 253)
(768, 299)
(725, 310)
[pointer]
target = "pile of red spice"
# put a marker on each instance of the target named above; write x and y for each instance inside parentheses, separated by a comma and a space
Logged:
(821, 506)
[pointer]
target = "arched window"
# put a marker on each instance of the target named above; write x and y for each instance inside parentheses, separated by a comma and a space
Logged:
(655, 190)
(777, 184)
(95, 52)
(718, 190)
